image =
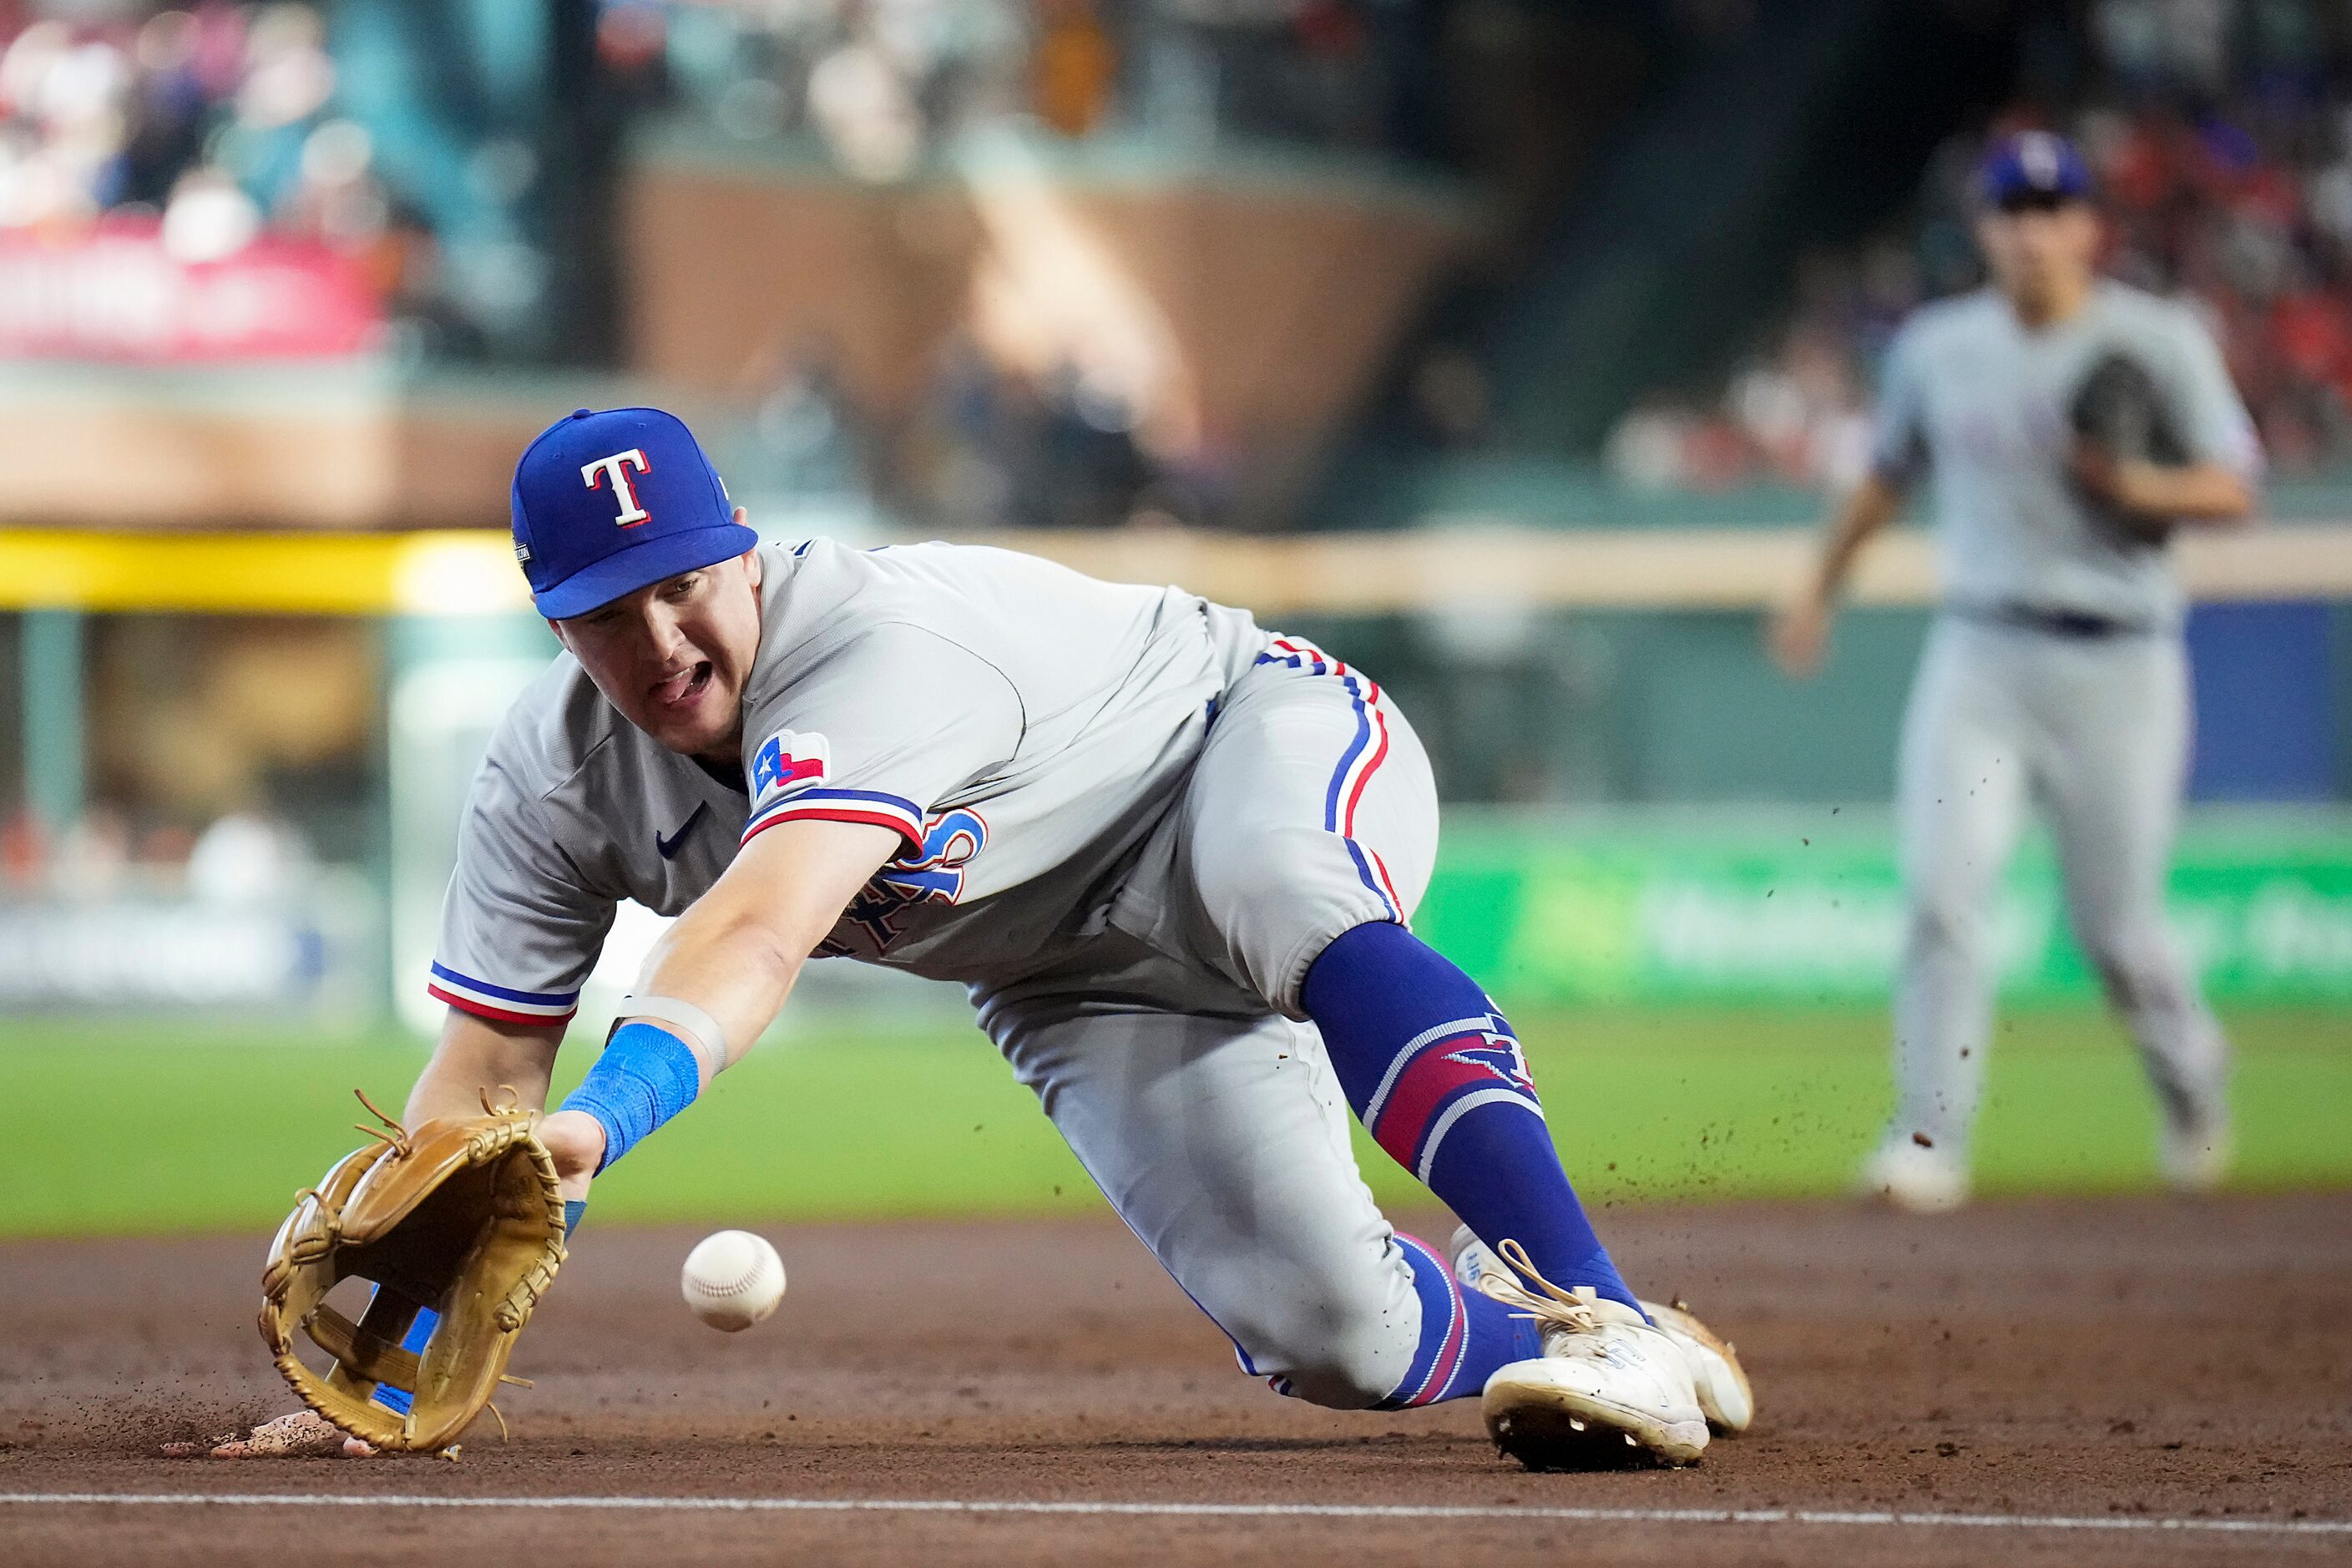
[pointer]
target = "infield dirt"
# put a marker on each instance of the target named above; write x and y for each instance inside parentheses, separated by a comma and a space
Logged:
(2166, 1360)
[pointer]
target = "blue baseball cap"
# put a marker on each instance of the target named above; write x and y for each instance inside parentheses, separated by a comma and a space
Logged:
(2032, 168)
(606, 503)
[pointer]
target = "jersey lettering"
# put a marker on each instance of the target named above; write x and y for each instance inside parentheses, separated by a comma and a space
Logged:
(616, 468)
(933, 876)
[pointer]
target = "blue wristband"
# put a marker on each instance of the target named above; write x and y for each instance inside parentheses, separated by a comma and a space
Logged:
(426, 1319)
(419, 1330)
(645, 1075)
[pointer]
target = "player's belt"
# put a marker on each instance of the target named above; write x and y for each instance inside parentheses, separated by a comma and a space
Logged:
(2078, 624)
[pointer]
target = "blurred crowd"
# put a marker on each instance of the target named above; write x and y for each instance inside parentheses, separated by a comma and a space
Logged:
(242, 859)
(2221, 133)
(876, 84)
(882, 89)
(987, 447)
(879, 84)
(215, 122)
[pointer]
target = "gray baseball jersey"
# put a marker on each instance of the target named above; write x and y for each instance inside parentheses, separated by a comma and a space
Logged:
(1132, 822)
(1981, 403)
(1006, 717)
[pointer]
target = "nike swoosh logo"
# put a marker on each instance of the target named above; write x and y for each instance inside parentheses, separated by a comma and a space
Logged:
(670, 846)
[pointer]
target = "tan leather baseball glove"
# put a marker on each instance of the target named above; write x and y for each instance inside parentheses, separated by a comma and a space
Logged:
(461, 1216)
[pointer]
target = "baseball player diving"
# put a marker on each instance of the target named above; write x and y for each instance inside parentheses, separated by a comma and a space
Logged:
(2067, 423)
(1170, 855)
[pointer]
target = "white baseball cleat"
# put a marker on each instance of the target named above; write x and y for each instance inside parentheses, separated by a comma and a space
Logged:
(1914, 1176)
(1720, 1380)
(1724, 1397)
(2195, 1151)
(1609, 1389)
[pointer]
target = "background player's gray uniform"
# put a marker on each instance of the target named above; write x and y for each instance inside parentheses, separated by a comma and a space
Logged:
(1131, 820)
(2056, 671)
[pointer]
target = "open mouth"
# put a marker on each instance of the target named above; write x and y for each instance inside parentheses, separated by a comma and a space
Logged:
(682, 690)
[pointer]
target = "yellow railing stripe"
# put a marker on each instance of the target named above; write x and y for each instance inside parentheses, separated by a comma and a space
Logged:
(460, 572)
(257, 573)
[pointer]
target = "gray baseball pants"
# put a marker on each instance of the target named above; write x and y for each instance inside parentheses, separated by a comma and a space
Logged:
(1168, 1049)
(2095, 729)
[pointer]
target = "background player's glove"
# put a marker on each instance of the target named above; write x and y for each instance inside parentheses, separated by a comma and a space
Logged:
(2121, 412)
(462, 1216)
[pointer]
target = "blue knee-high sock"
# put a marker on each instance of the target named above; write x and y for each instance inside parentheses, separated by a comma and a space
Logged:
(1434, 1072)
(1464, 1336)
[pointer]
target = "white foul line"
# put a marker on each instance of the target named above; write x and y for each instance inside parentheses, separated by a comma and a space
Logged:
(1209, 1509)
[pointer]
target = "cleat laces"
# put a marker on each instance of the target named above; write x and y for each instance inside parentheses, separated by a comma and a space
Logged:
(1578, 1311)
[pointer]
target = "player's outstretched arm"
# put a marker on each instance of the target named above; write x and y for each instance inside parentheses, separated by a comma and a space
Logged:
(475, 1055)
(1799, 628)
(722, 971)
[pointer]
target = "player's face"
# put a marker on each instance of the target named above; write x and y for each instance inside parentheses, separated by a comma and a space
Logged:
(673, 658)
(2039, 256)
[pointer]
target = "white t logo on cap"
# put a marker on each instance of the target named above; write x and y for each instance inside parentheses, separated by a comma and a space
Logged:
(2037, 154)
(618, 466)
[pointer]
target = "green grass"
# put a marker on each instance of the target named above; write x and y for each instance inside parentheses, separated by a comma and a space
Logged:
(162, 1128)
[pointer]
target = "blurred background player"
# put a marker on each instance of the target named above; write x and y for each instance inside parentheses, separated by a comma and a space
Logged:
(2055, 671)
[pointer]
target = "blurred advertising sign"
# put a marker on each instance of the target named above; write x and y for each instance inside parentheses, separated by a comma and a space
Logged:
(115, 292)
(135, 950)
(1807, 907)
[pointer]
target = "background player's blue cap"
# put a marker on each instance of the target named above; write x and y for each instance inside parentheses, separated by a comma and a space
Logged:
(606, 503)
(2033, 167)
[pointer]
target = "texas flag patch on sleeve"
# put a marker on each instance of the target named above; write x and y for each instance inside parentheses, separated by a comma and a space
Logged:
(789, 784)
(787, 761)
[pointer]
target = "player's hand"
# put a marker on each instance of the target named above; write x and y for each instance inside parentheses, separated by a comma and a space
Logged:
(2136, 490)
(577, 1141)
(1798, 632)
(299, 1436)
(2098, 473)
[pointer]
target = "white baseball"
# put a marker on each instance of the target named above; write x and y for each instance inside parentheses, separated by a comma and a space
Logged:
(733, 1279)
